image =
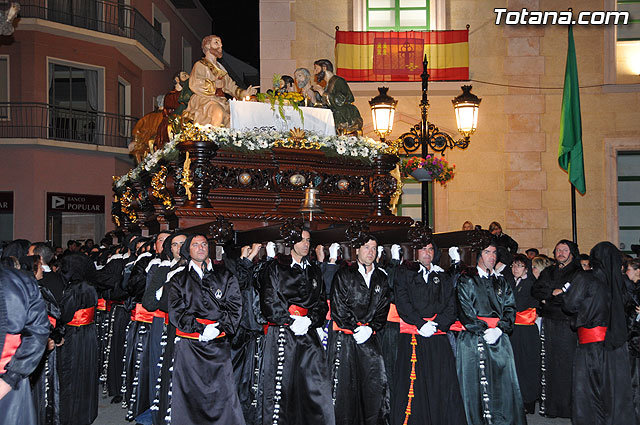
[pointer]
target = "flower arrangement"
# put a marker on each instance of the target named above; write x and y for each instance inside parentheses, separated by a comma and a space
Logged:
(294, 99)
(438, 168)
(256, 140)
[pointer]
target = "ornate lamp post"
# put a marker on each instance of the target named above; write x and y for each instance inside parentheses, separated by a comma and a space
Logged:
(425, 135)
(383, 108)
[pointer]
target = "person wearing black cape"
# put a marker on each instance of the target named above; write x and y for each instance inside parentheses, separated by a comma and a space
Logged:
(78, 356)
(24, 329)
(205, 306)
(558, 341)
(295, 387)
(360, 297)
(426, 366)
(631, 278)
(601, 373)
(525, 339)
(486, 370)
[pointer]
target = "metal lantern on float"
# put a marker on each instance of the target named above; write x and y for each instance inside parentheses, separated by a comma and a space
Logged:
(383, 109)
(466, 107)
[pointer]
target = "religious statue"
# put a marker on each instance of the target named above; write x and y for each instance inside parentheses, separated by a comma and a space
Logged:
(285, 85)
(302, 78)
(210, 83)
(338, 97)
(144, 133)
(7, 17)
(175, 102)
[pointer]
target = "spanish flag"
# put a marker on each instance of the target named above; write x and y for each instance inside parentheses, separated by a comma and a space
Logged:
(397, 56)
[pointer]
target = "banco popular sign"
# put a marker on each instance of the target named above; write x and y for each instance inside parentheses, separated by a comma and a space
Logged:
(75, 203)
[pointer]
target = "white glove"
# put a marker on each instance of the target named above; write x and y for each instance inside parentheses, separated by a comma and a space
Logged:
(566, 287)
(322, 334)
(271, 250)
(210, 332)
(491, 335)
(362, 333)
(380, 251)
(395, 252)
(454, 254)
(159, 293)
(428, 329)
(300, 325)
(333, 251)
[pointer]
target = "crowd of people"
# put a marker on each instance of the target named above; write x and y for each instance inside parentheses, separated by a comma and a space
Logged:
(293, 334)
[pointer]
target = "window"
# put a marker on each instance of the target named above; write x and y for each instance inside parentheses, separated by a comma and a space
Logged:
(187, 61)
(631, 31)
(124, 106)
(628, 199)
(398, 15)
(161, 23)
(4, 87)
(75, 98)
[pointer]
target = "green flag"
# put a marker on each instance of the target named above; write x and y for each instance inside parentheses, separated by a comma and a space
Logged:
(570, 148)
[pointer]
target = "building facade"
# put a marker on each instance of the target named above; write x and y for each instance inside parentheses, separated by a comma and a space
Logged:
(510, 171)
(74, 79)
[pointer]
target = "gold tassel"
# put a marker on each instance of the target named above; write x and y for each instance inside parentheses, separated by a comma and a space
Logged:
(412, 377)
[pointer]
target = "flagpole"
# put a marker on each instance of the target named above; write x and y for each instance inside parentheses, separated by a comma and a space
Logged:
(574, 226)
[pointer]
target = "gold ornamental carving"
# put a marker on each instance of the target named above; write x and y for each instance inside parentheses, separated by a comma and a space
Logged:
(186, 176)
(126, 200)
(159, 188)
(296, 140)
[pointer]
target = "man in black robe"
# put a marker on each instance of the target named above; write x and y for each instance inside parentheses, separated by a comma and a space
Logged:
(426, 367)
(558, 340)
(295, 385)
(205, 306)
(359, 308)
(601, 373)
(486, 369)
(24, 329)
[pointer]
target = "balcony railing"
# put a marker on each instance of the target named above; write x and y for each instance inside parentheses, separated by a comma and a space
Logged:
(101, 16)
(42, 121)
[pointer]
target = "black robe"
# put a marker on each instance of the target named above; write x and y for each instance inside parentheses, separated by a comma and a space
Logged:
(525, 341)
(601, 375)
(436, 391)
(559, 342)
(360, 390)
(479, 362)
(203, 389)
(22, 312)
(295, 387)
(78, 359)
(633, 326)
(45, 385)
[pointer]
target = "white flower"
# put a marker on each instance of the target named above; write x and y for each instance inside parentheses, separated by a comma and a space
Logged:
(263, 144)
(353, 152)
(237, 143)
(364, 151)
(341, 150)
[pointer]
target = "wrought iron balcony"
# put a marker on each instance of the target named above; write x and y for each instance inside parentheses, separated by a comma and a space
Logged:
(102, 16)
(42, 121)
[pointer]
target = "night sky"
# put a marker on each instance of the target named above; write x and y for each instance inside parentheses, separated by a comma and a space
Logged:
(237, 23)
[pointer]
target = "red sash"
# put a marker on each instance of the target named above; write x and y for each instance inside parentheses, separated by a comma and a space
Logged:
(491, 321)
(196, 335)
(393, 314)
(102, 304)
(160, 313)
(11, 344)
(296, 310)
(406, 328)
(83, 317)
(141, 314)
(52, 320)
(589, 335)
(526, 317)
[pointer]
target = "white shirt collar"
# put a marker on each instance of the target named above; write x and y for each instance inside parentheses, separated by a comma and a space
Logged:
(365, 275)
(425, 273)
(198, 270)
(483, 273)
(303, 264)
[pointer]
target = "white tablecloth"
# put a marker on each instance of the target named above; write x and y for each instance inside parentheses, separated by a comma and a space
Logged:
(257, 114)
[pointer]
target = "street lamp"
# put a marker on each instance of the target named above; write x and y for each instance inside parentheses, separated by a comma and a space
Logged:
(425, 135)
(383, 108)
